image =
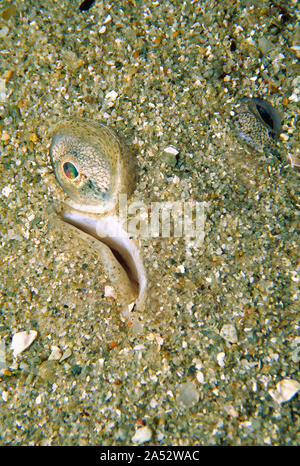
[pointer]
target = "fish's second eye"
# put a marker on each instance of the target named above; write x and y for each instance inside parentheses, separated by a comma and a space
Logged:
(70, 170)
(265, 115)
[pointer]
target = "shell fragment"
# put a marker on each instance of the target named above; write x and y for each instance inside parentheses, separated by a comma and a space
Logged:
(285, 390)
(142, 435)
(229, 333)
(22, 340)
(171, 150)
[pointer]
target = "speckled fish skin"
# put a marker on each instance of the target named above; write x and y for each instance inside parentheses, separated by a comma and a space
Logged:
(104, 168)
(258, 124)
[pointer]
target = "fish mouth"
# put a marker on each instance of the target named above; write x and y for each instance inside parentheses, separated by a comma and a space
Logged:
(108, 231)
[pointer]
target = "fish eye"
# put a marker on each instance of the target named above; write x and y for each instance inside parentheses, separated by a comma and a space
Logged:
(70, 170)
(265, 115)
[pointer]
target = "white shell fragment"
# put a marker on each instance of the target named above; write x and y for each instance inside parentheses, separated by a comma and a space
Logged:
(66, 354)
(296, 49)
(3, 31)
(6, 191)
(111, 96)
(109, 292)
(22, 340)
(38, 399)
(220, 359)
(171, 150)
(229, 333)
(142, 435)
(285, 390)
(2, 90)
(107, 19)
(56, 354)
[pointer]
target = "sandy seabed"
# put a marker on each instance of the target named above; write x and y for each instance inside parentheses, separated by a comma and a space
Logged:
(220, 329)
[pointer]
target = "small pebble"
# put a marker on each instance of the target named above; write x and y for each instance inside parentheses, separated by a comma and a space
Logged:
(109, 292)
(285, 390)
(2, 355)
(171, 150)
(111, 96)
(6, 191)
(229, 333)
(76, 369)
(296, 49)
(55, 353)
(231, 411)
(142, 435)
(181, 269)
(22, 340)
(3, 98)
(187, 395)
(4, 136)
(3, 31)
(48, 371)
(102, 29)
(38, 399)
(220, 359)
(264, 45)
(66, 354)
(34, 138)
(200, 377)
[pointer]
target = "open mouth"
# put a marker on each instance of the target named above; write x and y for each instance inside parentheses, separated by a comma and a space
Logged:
(108, 231)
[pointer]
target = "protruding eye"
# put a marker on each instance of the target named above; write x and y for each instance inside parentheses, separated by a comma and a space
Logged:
(70, 170)
(265, 116)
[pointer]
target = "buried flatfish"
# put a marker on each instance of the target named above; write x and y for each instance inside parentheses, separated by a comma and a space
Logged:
(258, 124)
(93, 167)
